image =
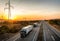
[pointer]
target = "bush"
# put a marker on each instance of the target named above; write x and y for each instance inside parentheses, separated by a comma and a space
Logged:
(57, 22)
(13, 30)
(4, 29)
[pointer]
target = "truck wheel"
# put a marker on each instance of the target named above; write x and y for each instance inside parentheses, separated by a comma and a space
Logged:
(24, 35)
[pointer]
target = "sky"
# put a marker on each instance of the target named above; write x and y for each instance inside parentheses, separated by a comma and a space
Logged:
(31, 9)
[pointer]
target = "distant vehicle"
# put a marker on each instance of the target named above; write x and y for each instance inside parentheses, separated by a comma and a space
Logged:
(35, 24)
(25, 30)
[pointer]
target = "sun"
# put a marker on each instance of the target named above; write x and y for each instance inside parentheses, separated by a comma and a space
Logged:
(14, 13)
(12, 18)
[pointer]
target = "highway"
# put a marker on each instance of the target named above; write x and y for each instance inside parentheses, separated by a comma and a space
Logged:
(49, 33)
(30, 36)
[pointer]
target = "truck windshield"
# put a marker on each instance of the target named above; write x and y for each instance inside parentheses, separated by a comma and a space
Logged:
(23, 30)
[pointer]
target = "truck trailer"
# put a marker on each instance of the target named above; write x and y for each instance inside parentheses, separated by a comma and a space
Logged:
(25, 30)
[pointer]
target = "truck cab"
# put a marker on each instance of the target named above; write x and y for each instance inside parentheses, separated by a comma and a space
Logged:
(23, 33)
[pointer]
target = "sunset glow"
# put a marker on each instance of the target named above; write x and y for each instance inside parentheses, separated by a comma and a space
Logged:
(31, 10)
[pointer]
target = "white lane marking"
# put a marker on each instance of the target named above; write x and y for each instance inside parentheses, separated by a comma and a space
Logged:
(53, 38)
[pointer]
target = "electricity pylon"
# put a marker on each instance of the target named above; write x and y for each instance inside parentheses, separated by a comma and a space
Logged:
(9, 8)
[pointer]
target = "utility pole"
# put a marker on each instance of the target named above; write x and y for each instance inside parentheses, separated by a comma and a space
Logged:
(9, 8)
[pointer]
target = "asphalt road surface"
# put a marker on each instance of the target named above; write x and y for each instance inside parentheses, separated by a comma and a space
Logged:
(49, 34)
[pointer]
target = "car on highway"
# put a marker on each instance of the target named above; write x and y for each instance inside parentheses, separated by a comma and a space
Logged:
(35, 25)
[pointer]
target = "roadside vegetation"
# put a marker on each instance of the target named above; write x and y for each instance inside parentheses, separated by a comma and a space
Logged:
(55, 23)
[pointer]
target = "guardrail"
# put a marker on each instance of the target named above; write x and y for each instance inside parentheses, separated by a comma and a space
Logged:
(54, 30)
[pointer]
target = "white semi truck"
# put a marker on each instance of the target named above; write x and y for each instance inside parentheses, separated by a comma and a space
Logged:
(25, 30)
